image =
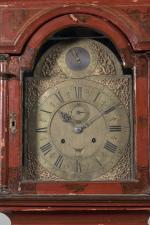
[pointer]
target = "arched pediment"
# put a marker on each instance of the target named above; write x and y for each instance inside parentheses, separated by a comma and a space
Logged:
(25, 22)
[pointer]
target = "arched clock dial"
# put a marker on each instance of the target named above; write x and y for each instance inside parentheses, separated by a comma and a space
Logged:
(78, 58)
(79, 130)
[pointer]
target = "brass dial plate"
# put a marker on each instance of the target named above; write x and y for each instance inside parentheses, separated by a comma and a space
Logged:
(78, 130)
(78, 116)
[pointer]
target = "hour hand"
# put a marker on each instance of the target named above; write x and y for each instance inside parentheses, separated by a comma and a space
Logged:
(65, 116)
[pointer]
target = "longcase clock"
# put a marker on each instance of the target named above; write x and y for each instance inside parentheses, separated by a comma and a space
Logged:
(74, 111)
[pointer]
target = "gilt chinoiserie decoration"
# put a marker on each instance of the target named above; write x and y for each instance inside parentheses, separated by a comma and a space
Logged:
(74, 112)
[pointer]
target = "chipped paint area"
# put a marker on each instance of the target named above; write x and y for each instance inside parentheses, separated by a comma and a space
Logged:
(37, 209)
(2, 143)
(4, 6)
(73, 17)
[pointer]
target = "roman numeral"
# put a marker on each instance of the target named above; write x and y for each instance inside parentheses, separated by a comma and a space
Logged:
(45, 111)
(99, 163)
(98, 94)
(43, 129)
(78, 167)
(59, 161)
(46, 148)
(78, 92)
(110, 110)
(110, 147)
(59, 97)
(115, 128)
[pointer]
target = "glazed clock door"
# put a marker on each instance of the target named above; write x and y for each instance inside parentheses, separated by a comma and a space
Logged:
(78, 116)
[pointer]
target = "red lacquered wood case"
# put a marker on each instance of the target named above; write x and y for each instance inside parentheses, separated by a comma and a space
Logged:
(27, 29)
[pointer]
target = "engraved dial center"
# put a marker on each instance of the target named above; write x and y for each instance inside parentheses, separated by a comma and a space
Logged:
(80, 113)
(72, 131)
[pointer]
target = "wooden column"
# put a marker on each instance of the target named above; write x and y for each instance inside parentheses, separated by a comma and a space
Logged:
(4, 123)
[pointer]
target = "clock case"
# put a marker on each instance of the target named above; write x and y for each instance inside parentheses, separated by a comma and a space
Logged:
(18, 58)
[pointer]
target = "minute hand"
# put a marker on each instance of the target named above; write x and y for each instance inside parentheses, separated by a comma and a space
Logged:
(92, 120)
(100, 114)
